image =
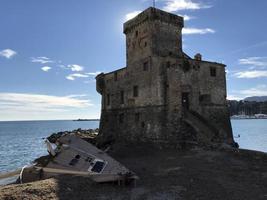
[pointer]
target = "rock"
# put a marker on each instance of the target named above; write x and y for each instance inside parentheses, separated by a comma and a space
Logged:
(85, 134)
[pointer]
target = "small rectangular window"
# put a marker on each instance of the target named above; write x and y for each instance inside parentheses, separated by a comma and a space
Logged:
(205, 98)
(145, 66)
(137, 117)
(115, 76)
(135, 91)
(136, 33)
(212, 71)
(143, 124)
(168, 64)
(122, 97)
(98, 166)
(108, 99)
(121, 118)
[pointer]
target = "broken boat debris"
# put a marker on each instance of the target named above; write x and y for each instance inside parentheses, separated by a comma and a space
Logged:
(73, 153)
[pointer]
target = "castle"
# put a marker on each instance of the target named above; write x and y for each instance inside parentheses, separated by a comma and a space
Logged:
(163, 95)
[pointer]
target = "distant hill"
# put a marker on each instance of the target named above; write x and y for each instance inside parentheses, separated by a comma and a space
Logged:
(252, 106)
(256, 98)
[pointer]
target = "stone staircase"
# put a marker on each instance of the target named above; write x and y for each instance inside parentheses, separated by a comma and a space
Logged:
(206, 133)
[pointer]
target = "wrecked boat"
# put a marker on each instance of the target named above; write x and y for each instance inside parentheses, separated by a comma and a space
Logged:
(72, 155)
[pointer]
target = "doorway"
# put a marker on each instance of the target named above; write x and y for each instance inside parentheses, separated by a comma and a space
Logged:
(185, 100)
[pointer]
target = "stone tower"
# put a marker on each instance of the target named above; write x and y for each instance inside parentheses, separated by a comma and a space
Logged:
(153, 33)
(163, 95)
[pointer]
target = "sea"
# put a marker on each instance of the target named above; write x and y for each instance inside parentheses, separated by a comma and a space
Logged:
(23, 141)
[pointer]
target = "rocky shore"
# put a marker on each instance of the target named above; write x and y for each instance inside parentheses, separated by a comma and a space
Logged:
(87, 134)
(165, 173)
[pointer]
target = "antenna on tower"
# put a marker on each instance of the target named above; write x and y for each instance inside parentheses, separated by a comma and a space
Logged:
(154, 3)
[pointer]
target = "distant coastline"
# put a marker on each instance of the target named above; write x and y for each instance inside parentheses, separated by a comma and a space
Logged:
(256, 116)
(47, 120)
(82, 120)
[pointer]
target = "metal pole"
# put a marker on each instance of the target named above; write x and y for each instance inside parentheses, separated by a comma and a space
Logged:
(154, 3)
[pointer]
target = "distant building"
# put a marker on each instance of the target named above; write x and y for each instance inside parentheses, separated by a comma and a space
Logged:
(163, 95)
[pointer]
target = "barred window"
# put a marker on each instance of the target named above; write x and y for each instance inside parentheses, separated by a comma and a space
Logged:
(212, 71)
(121, 118)
(122, 97)
(145, 66)
(135, 91)
(137, 117)
(115, 76)
(108, 99)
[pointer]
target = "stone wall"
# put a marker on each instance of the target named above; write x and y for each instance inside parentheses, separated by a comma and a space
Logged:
(144, 100)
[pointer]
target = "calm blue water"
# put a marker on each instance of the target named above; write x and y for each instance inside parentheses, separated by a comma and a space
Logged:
(253, 133)
(21, 142)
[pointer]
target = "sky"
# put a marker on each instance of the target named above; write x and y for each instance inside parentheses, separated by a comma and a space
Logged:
(51, 51)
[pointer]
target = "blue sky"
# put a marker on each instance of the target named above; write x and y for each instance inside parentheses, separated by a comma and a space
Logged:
(50, 51)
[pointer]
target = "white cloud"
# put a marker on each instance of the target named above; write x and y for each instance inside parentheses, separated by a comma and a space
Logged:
(75, 68)
(254, 62)
(42, 60)
(175, 5)
(72, 77)
(251, 74)
(8, 53)
(77, 95)
(191, 31)
(25, 106)
(94, 73)
(45, 68)
(234, 97)
(186, 17)
(132, 15)
(259, 90)
(41, 102)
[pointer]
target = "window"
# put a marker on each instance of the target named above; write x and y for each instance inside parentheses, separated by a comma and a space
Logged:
(135, 91)
(115, 76)
(168, 64)
(145, 66)
(137, 117)
(143, 124)
(121, 118)
(136, 33)
(205, 98)
(186, 66)
(108, 99)
(98, 166)
(122, 97)
(145, 44)
(212, 71)
(75, 160)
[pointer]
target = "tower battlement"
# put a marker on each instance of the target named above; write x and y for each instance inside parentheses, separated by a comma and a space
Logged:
(153, 14)
(153, 33)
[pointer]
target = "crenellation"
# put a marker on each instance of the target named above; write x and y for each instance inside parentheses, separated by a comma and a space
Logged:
(152, 14)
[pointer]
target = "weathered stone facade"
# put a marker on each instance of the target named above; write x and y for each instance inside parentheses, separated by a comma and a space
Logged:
(163, 95)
